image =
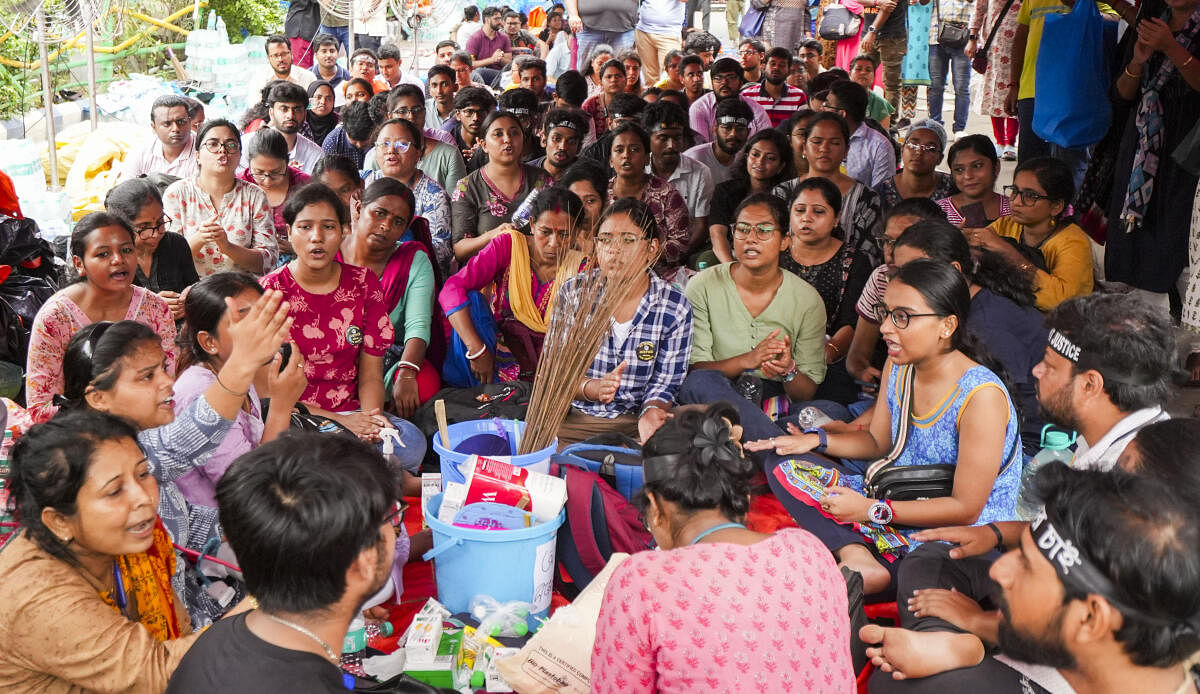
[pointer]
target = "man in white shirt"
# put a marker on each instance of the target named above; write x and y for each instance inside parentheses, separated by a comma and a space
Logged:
(172, 151)
(390, 71)
(727, 82)
(286, 107)
(666, 123)
(279, 55)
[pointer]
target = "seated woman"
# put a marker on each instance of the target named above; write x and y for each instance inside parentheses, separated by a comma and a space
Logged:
(758, 331)
(104, 253)
(1038, 239)
(920, 155)
(398, 147)
(164, 260)
(90, 557)
(321, 118)
(341, 323)
(524, 268)
(838, 272)
(483, 202)
(598, 106)
(357, 89)
(961, 415)
(268, 168)
(630, 386)
(119, 368)
(226, 221)
(975, 167)
(764, 162)
(796, 128)
(630, 160)
(825, 150)
(207, 343)
(1002, 314)
(588, 180)
(340, 174)
(715, 575)
(379, 224)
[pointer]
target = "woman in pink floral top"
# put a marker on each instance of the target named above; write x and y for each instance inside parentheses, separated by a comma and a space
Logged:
(267, 157)
(483, 203)
(102, 249)
(236, 233)
(725, 609)
(340, 322)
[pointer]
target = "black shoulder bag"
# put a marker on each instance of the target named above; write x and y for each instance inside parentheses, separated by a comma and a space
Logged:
(886, 480)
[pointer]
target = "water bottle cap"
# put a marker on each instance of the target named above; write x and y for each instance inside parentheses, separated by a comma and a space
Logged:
(1056, 440)
(478, 679)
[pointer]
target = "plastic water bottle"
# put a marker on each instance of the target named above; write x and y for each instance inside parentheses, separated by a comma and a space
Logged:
(811, 417)
(379, 630)
(1056, 447)
(354, 647)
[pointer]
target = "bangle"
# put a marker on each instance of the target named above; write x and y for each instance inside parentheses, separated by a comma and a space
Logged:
(832, 345)
(229, 390)
(1025, 267)
(405, 364)
(1186, 62)
(649, 407)
(999, 535)
(1139, 75)
(473, 357)
(583, 389)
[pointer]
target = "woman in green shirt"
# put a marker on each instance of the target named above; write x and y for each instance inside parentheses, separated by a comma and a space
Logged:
(758, 332)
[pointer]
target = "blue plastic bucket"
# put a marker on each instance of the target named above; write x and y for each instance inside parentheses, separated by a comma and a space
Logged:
(538, 461)
(505, 564)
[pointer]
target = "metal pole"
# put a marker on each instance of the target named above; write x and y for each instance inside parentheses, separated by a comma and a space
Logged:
(350, 33)
(47, 97)
(94, 109)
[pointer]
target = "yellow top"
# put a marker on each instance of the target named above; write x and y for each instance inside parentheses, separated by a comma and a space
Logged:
(1068, 254)
(1033, 14)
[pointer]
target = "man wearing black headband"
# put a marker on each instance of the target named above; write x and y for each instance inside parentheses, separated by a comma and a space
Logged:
(1098, 595)
(727, 81)
(732, 129)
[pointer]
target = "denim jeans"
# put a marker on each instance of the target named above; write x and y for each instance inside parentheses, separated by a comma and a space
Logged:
(587, 38)
(342, 34)
(941, 59)
(1029, 145)
(705, 7)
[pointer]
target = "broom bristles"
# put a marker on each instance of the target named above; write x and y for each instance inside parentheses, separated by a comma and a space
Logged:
(579, 321)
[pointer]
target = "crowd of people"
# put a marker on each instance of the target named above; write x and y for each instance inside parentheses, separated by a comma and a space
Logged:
(787, 247)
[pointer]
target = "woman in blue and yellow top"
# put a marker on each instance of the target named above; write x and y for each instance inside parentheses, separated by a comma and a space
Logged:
(961, 414)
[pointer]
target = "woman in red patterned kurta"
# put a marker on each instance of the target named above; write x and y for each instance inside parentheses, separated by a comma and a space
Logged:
(726, 609)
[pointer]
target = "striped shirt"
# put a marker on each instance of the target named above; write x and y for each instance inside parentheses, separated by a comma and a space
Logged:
(778, 111)
(877, 284)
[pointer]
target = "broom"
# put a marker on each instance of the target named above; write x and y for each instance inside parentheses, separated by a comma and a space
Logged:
(579, 320)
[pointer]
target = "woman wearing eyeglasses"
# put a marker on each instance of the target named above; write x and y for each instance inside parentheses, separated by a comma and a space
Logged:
(1039, 238)
(920, 155)
(524, 267)
(961, 414)
(227, 222)
(631, 384)
(825, 149)
(164, 260)
(758, 331)
(268, 168)
(104, 255)
(398, 147)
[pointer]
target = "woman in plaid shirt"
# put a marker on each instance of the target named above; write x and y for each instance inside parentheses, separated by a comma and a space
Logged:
(630, 386)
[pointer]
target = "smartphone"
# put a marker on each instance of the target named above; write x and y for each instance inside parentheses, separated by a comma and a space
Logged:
(974, 216)
(286, 352)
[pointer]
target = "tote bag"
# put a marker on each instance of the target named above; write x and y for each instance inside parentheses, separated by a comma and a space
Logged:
(752, 23)
(1071, 108)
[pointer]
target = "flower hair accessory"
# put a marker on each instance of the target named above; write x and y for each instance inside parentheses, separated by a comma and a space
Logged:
(715, 442)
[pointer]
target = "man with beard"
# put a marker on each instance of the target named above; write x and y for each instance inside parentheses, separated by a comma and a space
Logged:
(732, 129)
(778, 98)
(1097, 595)
(1107, 371)
(562, 136)
(490, 48)
(750, 55)
(315, 524)
(286, 106)
(471, 106)
(691, 73)
(667, 124)
(279, 55)
(727, 84)
(171, 151)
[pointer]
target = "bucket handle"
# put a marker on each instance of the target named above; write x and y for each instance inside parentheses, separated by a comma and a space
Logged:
(438, 551)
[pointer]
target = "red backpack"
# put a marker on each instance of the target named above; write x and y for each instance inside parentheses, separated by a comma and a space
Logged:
(599, 522)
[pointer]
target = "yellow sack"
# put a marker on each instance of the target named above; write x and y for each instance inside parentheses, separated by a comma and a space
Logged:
(93, 162)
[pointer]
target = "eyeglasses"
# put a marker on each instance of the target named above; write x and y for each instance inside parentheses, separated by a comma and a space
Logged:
(900, 316)
(885, 242)
(608, 239)
(164, 224)
(269, 175)
(922, 149)
(406, 111)
(396, 518)
(215, 146)
(764, 231)
(396, 145)
(1028, 197)
(473, 112)
(727, 77)
(828, 107)
(747, 51)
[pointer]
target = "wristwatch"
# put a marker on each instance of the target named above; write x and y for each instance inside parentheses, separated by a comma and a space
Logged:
(973, 36)
(821, 435)
(871, 29)
(880, 512)
(791, 375)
